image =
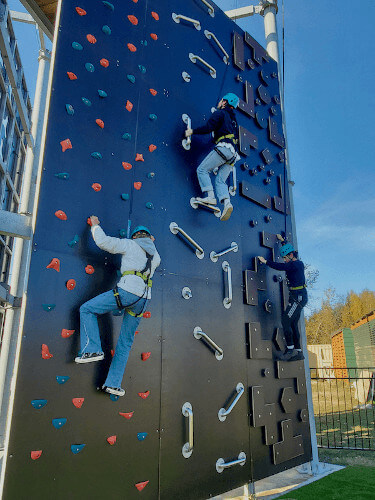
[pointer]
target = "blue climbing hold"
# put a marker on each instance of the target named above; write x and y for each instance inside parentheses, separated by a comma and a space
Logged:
(131, 78)
(96, 155)
(123, 233)
(141, 436)
(90, 67)
(39, 403)
(153, 117)
(63, 176)
(61, 379)
(74, 241)
(86, 101)
(150, 205)
(126, 136)
(142, 69)
(48, 307)
(106, 29)
(113, 397)
(125, 196)
(69, 109)
(109, 5)
(77, 46)
(58, 422)
(76, 448)
(102, 93)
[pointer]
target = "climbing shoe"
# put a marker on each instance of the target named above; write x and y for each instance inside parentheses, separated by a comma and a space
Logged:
(117, 391)
(227, 211)
(297, 357)
(208, 200)
(89, 357)
(289, 354)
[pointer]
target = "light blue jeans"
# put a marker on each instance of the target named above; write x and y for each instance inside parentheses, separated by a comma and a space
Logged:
(90, 338)
(212, 161)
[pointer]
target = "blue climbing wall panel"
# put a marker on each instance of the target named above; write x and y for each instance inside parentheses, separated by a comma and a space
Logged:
(117, 92)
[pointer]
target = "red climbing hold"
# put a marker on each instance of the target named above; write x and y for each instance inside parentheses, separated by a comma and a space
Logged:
(99, 122)
(36, 454)
(152, 148)
(132, 47)
(66, 333)
(96, 186)
(66, 144)
(127, 166)
(70, 284)
(111, 440)
(139, 157)
(126, 415)
(137, 185)
(112, 352)
(81, 12)
(154, 36)
(155, 15)
(147, 314)
(78, 402)
(136, 333)
(153, 91)
(89, 269)
(45, 352)
(54, 264)
(129, 106)
(89, 221)
(140, 486)
(71, 75)
(61, 215)
(133, 20)
(135, 1)
(144, 395)
(104, 62)
(91, 38)
(145, 355)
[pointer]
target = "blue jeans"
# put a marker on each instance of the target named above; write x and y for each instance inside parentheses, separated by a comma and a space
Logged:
(212, 161)
(90, 338)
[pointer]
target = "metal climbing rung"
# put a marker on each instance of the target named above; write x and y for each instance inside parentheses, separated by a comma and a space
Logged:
(227, 301)
(215, 256)
(211, 10)
(223, 413)
(210, 35)
(221, 464)
(198, 334)
(186, 142)
(176, 18)
(194, 58)
(174, 229)
(187, 411)
(233, 189)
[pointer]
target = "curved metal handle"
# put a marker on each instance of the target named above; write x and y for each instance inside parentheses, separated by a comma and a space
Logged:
(198, 333)
(176, 18)
(187, 141)
(194, 58)
(215, 256)
(233, 189)
(221, 464)
(187, 411)
(210, 35)
(227, 302)
(223, 413)
(174, 229)
(211, 10)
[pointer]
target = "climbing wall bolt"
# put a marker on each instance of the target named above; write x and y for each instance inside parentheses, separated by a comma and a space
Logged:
(266, 372)
(267, 180)
(268, 218)
(253, 223)
(261, 168)
(123, 233)
(271, 172)
(253, 171)
(268, 306)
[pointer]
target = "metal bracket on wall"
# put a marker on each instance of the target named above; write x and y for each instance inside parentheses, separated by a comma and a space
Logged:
(209, 35)
(194, 58)
(210, 8)
(290, 446)
(177, 17)
(227, 301)
(223, 413)
(221, 464)
(175, 229)
(233, 188)
(215, 256)
(187, 411)
(7, 298)
(198, 334)
(186, 293)
(187, 141)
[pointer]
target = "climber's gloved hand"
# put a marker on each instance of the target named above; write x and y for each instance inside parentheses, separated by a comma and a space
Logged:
(262, 259)
(188, 132)
(279, 237)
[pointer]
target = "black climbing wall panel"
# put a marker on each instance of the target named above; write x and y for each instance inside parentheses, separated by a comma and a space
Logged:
(268, 424)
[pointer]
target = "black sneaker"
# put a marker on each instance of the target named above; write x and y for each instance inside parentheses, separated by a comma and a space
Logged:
(89, 357)
(117, 391)
(297, 357)
(288, 354)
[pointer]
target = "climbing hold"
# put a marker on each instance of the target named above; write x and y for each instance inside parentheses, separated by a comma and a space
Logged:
(127, 166)
(86, 101)
(150, 175)
(61, 215)
(133, 20)
(131, 78)
(139, 157)
(155, 15)
(104, 63)
(154, 36)
(136, 332)
(109, 5)
(48, 307)
(81, 12)
(71, 75)
(112, 352)
(77, 46)
(152, 148)
(125, 196)
(96, 187)
(111, 440)
(91, 38)
(106, 29)
(137, 185)
(145, 355)
(129, 106)
(142, 69)
(102, 93)
(127, 415)
(147, 314)
(69, 109)
(144, 42)
(123, 233)
(144, 395)
(140, 486)
(54, 264)
(58, 422)
(70, 284)
(66, 144)
(61, 379)
(153, 91)
(135, 1)
(39, 403)
(126, 136)
(99, 122)
(113, 397)
(76, 448)
(36, 454)
(78, 402)
(63, 176)
(45, 352)
(89, 221)
(132, 47)
(66, 333)
(96, 155)
(141, 436)
(153, 117)
(74, 241)
(90, 67)
(89, 269)
(150, 205)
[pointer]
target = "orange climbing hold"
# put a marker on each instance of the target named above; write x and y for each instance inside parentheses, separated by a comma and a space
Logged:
(112, 352)
(135, 1)
(54, 264)
(66, 333)
(104, 62)
(147, 314)
(91, 38)
(70, 284)
(127, 166)
(72, 76)
(154, 36)
(145, 355)
(133, 20)
(153, 91)
(129, 106)
(152, 148)
(155, 15)
(99, 122)
(127, 415)
(81, 12)
(111, 440)
(139, 157)
(144, 395)
(78, 402)
(96, 186)
(61, 215)
(89, 269)
(36, 454)
(66, 144)
(132, 47)
(45, 352)
(140, 486)
(137, 185)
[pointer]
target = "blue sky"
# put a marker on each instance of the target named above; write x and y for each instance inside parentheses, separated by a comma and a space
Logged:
(330, 103)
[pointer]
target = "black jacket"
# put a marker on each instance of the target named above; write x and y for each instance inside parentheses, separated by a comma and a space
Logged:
(295, 271)
(222, 122)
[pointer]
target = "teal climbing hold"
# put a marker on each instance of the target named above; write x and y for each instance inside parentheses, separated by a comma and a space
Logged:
(69, 109)
(125, 196)
(86, 101)
(113, 397)
(126, 136)
(150, 175)
(123, 233)
(63, 176)
(77, 46)
(58, 422)
(61, 379)
(102, 93)
(131, 78)
(96, 155)
(150, 205)
(109, 5)
(153, 117)
(144, 42)
(142, 69)
(76, 448)
(106, 29)
(74, 241)
(141, 436)
(48, 307)
(90, 67)
(39, 403)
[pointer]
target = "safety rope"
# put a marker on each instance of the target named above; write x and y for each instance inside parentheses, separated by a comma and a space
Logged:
(283, 101)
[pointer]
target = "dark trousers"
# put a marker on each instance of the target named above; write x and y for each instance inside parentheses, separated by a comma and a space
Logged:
(291, 315)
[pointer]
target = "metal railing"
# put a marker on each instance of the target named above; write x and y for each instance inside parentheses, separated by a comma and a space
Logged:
(344, 407)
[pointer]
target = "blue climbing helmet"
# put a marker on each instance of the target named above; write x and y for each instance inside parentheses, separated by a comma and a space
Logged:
(286, 249)
(232, 99)
(140, 228)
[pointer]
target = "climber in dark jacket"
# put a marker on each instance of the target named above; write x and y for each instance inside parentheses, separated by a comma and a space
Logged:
(224, 125)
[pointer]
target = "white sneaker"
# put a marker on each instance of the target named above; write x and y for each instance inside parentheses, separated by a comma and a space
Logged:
(227, 211)
(117, 391)
(89, 357)
(208, 200)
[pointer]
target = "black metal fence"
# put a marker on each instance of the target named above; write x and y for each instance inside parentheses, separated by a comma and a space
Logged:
(344, 407)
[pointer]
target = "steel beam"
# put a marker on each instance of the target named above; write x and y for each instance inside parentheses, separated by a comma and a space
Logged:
(12, 224)
(40, 18)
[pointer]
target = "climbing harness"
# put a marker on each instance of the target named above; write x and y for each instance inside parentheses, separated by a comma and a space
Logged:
(231, 161)
(228, 136)
(297, 287)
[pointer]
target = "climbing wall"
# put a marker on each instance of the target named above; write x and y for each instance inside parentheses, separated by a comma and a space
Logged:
(207, 408)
